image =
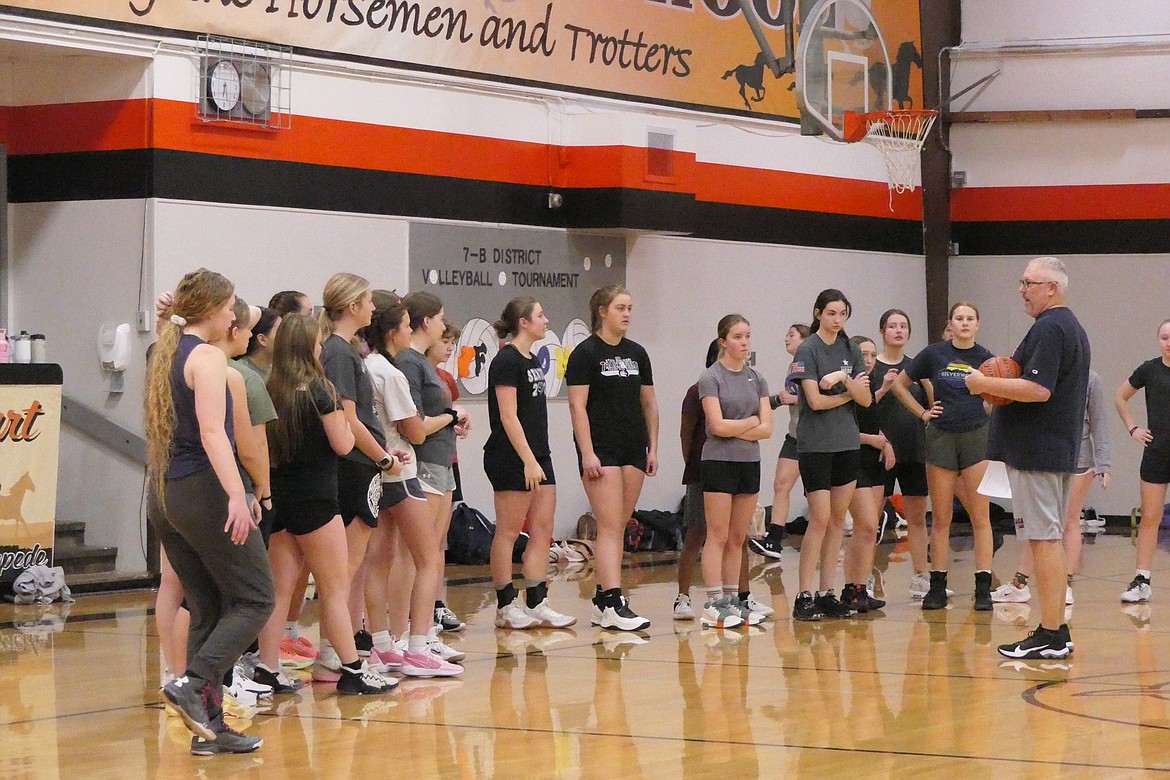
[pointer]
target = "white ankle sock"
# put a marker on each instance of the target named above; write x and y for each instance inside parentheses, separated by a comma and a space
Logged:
(290, 629)
(383, 641)
(417, 643)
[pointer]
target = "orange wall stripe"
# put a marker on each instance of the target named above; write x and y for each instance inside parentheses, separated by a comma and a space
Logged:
(168, 124)
(1078, 202)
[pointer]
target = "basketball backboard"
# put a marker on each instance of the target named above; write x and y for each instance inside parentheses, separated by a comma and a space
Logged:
(842, 64)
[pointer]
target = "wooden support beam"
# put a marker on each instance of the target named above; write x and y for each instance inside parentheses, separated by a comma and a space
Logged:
(1053, 115)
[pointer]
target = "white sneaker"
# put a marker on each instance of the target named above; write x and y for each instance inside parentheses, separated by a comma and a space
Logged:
(682, 608)
(1008, 593)
(622, 618)
(1138, 591)
(920, 586)
(514, 616)
(1068, 597)
(755, 605)
(547, 617)
(240, 693)
(564, 552)
(595, 615)
(442, 650)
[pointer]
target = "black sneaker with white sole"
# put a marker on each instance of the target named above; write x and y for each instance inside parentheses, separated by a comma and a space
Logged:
(765, 546)
(805, 607)
(447, 619)
(1041, 643)
(278, 681)
(363, 682)
(1066, 636)
(227, 740)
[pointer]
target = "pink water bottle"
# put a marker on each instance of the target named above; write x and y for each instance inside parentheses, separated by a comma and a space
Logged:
(3, 346)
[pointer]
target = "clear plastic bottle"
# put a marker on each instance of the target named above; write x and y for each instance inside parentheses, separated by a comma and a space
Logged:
(38, 351)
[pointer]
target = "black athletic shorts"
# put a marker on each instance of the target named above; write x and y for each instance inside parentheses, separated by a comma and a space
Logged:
(739, 478)
(911, 478)
(871, 472)
(825, 470)
(506, 475)
(302, 517)
(394, 493)
(358, 486)
(788, 449)
(631, 456)
(1156, 465)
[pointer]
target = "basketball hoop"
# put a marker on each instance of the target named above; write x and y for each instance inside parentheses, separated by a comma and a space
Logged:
(899, 136)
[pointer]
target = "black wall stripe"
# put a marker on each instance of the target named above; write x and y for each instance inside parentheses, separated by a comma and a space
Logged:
(162, 173)
(1064, 237)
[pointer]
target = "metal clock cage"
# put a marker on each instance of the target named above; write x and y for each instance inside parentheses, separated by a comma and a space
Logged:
(254, 79)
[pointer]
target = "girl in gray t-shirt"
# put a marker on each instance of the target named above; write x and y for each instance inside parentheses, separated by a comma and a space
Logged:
(832, 378)
(739, 416)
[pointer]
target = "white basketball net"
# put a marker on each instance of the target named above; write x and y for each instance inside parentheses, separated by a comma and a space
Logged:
(899, 137)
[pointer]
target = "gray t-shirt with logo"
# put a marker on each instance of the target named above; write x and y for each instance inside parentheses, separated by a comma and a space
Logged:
(829, 430)
(739, 394)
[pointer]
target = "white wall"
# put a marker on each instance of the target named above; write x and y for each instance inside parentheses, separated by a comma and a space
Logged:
(1120, 314)
(74, 267)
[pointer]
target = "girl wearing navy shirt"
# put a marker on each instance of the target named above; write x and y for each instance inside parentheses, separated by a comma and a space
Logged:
(956, 448)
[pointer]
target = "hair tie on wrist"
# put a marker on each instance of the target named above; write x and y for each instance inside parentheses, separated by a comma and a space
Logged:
(1131, 430)
(177, 320)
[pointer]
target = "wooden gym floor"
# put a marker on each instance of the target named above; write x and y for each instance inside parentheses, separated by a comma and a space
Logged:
(907, 694)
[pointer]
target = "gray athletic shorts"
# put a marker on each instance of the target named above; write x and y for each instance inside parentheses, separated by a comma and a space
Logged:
(693, 513)
(436, 479)
(956, 451)
(1039, 503)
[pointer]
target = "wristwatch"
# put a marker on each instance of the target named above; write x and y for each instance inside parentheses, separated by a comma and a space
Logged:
(386, 462)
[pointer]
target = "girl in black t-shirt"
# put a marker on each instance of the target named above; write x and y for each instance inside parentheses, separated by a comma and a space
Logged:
(1154, 376)
(615, 427)
(518, 463)
(310, 433)
(876, 458)
(956, 448)
(907, 436)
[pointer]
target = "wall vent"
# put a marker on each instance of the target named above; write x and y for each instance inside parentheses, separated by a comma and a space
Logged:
(660, 155)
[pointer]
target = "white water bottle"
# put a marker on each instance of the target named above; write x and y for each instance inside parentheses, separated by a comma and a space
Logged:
(22, 348)
(38, 350)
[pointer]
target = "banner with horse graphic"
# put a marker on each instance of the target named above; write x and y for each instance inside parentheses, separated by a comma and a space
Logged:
(698, 54)
(30, 432)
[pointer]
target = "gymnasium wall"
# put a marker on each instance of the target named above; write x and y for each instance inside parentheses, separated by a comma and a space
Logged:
(118, 188)
(1094, 192)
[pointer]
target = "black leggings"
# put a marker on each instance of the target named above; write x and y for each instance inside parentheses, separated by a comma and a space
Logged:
(228, 587)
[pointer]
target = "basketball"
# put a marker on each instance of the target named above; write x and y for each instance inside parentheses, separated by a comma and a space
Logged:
(999, 367)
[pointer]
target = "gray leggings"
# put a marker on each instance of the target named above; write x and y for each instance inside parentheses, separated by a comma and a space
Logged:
(228, 587)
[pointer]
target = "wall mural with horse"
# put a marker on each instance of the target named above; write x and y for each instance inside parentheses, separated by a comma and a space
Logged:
(700, 54)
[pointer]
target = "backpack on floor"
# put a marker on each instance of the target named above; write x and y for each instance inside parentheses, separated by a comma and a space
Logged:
(469, 540)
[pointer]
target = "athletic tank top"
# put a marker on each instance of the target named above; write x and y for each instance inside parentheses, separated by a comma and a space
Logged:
(187, 453)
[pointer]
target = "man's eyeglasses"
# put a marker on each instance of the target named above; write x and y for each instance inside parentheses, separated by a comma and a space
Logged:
(1026, 283)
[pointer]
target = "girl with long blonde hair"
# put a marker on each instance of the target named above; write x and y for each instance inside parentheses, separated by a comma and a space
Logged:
(202, 512)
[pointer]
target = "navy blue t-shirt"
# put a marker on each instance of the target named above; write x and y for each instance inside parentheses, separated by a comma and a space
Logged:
(946, 367)
(1046, 436)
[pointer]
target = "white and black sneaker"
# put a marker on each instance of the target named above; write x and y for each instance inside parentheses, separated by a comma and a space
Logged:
(1138, 590)
(447, 619)
(616, 615)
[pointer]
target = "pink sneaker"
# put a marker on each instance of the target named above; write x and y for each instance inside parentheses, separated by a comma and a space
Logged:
(428, 665)
(388, 661)
(305, 647)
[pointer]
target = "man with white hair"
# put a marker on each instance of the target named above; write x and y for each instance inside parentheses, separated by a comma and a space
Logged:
(1038, 439)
